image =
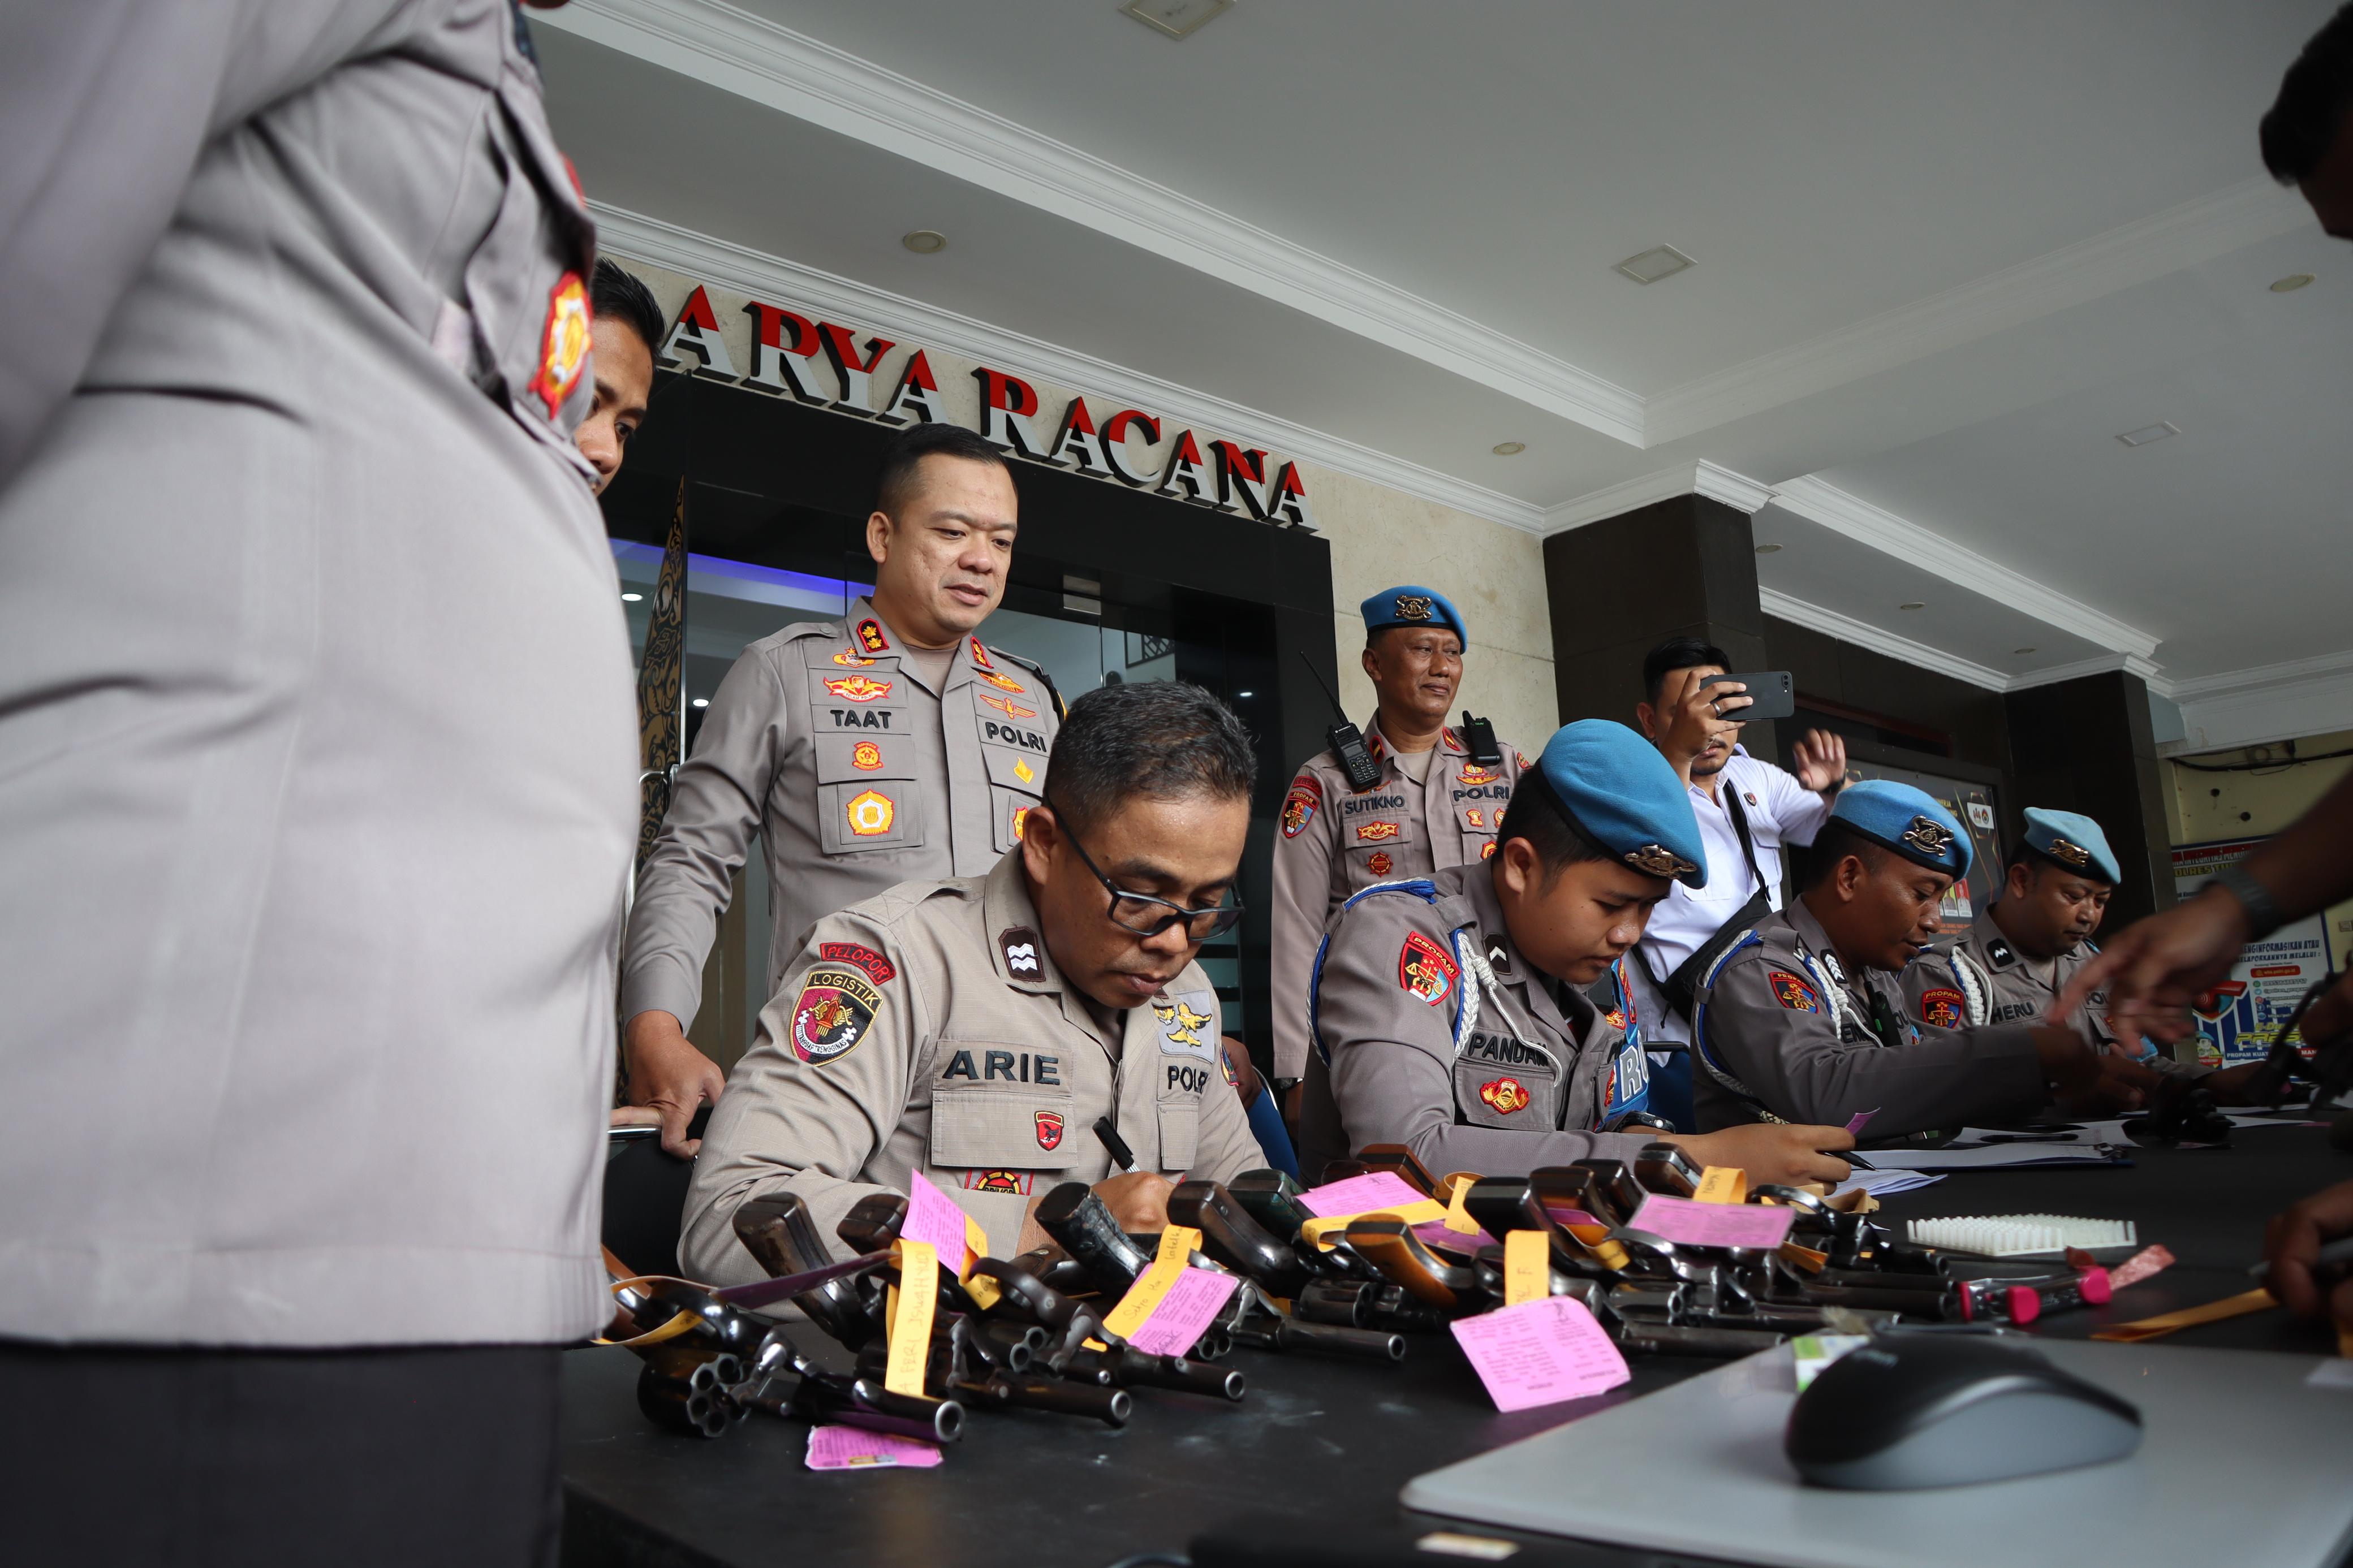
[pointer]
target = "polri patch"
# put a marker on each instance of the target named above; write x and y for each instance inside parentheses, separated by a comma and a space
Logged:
(1020, 946)
(1792, 992)
(1425, 969)
(1943, 1007)
(879, 969)
(835, 1010)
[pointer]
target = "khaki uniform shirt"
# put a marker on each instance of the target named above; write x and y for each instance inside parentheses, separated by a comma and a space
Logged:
(1980, 977)
(856, 774)
(927, 1033)
(317, 749)
(1785, 1033)
(1336, 841)
(1498, 1072)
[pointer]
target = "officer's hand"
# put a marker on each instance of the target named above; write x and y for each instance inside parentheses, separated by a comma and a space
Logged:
(1137, 1199)
(2082, 1079)
(2229, 1086)
(2292, 1245)
(1247, 1083)
(1696, 714)
(1772, 1151)
(1819, 760)
(666, 1074)
(2155, 967)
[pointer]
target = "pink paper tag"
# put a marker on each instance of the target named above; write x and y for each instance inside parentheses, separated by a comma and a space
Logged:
(1359, 1194)
(1540, 1353)
(1434, 1232)
(1569, 1216)
(2149, 1260)
(933, 1217)
(1177, 1322)
(1694, 1224)
(854, 1448)
(1854, 1123)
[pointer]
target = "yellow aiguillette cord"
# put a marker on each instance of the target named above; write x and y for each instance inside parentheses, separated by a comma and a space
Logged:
(2165, 1324)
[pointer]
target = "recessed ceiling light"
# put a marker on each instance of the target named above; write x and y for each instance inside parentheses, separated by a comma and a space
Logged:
(1510, 448)
(2291, 283)
(702, 703)
(1175, 19)
(2020, 652)
(1767, 549)
(1660, 261)
(631, 599)
(925, 241)
(2148, 433)
(1245, 693)
(1912, 605)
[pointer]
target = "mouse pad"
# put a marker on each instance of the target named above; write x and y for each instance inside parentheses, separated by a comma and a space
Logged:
(2240, 1462)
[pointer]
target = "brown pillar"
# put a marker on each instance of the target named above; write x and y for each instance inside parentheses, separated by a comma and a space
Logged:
(1617, 588)
(2087, 745)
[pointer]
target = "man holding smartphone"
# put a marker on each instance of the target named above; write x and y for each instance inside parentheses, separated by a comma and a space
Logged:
(1749, 811)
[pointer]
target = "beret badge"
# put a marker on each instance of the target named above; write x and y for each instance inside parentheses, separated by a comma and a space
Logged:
(1656, 861)
(2068, 853)
(1415, 608)
(1929, 837)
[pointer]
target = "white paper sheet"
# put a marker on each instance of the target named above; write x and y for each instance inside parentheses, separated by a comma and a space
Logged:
(1992, 1157)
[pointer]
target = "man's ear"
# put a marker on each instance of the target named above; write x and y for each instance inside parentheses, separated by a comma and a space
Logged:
(1039, 832)
(1372, 665)
(878, 536)
(1647, 717)
(1847, 878)
(2020, 881)
(1517, 870)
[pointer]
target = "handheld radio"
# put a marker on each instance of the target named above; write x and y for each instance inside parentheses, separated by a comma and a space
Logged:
(1356, 761)
(1479, 738)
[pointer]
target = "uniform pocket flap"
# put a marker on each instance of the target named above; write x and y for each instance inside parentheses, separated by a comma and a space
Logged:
(1180, 1133)
(1376, 820)
(1009, 769)
(1000, 1126)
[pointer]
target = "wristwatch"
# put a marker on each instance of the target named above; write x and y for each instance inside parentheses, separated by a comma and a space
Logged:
(2261, 908)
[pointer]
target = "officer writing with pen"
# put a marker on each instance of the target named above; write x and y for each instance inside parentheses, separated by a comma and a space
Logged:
(1430, 804)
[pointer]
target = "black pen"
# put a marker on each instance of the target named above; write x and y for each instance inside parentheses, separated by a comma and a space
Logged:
(1121, 1154)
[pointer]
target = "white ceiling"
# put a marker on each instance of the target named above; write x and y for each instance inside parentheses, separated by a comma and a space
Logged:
(1945, 254)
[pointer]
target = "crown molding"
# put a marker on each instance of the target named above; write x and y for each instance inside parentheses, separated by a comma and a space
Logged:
(1818, 501)
(2103, 664)
(1862, 634)
(1703, 477)
(752, 57)
(758, 274)
(2197, 230)
(2266, 704)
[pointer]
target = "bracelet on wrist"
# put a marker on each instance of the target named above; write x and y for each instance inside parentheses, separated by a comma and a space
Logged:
(2261, 910)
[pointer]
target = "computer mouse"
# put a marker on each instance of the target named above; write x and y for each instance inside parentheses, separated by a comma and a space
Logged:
(1947, 1410)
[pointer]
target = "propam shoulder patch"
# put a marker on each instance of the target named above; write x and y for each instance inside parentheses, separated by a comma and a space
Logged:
(1793, 992)
(836, 1010)
(1942, 1007)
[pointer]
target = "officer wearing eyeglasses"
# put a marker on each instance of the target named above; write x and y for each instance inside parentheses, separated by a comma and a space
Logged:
(971, 1032)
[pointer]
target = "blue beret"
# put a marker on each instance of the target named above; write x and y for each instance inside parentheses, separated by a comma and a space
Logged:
(1907, 820)
(2072, 840)
(1622, 795)
(1412, 606)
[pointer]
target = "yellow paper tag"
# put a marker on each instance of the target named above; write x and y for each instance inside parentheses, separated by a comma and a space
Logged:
(916, 1294)
(1178, 1244)
(2187, 1318)
(1458, 1210)
(1723, 1184)
(1421, 1213)
(1527, 1267)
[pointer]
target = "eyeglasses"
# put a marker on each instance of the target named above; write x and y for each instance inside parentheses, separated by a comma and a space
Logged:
(1142, 913)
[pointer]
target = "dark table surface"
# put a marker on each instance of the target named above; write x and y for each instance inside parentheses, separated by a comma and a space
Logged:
(1315, 1436)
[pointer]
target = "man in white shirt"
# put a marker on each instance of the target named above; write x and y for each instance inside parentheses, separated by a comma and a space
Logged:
(1698, 729)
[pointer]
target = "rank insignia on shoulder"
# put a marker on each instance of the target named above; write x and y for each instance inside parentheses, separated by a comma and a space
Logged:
(848, 657)
(1942, 1007)
(1010, 709)
(866, 756)
(1375, 832)
(1792, 992)
(1499, 956)
(1299, 806)
(859, 688)
(1998, 951)
(1020, 946)
(1505, 1095)
(878, 968)
(833, 1013)
(1453, 742)
(1425, 969)
(871, 813)
(870, 638)
(980, 654)
(1011, 1184)
(1378, 863)
(1050, 1128)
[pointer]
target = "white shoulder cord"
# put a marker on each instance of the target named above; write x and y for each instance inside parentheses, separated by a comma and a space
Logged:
(1833, 988)
(1974, 986)
(1477, 977)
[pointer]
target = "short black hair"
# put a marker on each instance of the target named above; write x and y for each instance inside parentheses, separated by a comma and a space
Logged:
(1834, 844)
(906, 449)
(2314, 95)
(1534, 815)
(1674, 654)
(1166, 739)
(617, 295)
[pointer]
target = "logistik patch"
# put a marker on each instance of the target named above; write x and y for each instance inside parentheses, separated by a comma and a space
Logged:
(1793, 992)
(1425, 969)
(835, 1010)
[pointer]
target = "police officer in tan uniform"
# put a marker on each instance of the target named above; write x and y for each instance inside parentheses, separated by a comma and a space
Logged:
(971, 1032)
(888, 746)
(1450, 1011)
(1804, 1017)
(1433, 807)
